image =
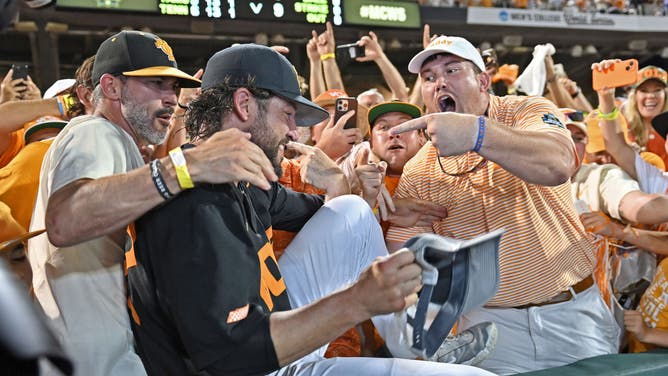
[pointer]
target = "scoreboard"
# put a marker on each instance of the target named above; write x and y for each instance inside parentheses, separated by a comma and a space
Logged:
(301, 11)
(385, 13)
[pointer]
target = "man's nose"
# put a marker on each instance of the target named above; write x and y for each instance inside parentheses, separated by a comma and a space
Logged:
(292, 135)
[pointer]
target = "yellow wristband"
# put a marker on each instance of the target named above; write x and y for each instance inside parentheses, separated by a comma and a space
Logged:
(609, 116)
(182, 174)
(65, 102)
(329, 55)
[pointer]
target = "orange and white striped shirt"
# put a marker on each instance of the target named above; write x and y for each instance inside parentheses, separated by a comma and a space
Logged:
(545, 248)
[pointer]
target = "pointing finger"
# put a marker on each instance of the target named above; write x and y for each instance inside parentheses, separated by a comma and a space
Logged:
(362, 158)
(411, 125)
(299, 147)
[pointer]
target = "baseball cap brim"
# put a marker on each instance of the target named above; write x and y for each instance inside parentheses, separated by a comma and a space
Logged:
(308, 113)
(383, 108)
(185, 80)
(44, 125)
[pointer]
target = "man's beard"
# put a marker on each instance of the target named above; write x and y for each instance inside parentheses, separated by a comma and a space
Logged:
(140, 121)
(262, 136)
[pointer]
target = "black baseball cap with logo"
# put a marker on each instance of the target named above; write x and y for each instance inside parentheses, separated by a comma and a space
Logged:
(138, 54)
(272, 71)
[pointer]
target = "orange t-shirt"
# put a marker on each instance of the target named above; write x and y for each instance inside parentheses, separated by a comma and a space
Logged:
(19, 180)
(290, 178)
(16, 143)
(653, 306)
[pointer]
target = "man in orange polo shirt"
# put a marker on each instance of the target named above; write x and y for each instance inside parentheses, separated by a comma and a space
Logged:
(505, 162)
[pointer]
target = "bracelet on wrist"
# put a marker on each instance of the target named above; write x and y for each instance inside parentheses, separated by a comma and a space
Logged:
(61, 107)
(158, 180)
(551, 79)
(182, 173)
(327, 56)
(609, 116)
(183, 106)
(481, 134)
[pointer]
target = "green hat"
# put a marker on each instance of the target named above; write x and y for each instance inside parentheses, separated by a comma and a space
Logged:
(382, 108)
(42, 123)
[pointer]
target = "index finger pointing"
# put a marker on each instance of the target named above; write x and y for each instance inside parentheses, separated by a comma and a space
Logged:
(411, 125)
(299, 147)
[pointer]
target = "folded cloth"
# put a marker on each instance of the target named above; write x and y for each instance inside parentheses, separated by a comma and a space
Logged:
(532, 80)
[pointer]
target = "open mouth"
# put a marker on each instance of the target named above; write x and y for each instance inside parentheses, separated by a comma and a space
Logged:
(395, 147)
(446, 104)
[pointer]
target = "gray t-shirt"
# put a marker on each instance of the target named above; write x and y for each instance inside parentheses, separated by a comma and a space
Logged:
(81, 288)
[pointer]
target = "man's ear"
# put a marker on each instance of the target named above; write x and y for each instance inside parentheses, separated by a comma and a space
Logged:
(111, 86)
(242, 103)
(485, 81)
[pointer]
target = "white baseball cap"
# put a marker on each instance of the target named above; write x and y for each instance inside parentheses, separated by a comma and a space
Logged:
(58, 87)
(444, 44)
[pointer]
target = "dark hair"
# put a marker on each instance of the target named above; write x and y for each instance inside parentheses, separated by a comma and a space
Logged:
(82, 77)
(205, 113)
(434, 56)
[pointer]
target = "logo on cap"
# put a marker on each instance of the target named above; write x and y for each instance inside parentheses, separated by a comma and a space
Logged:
(652, 72)
(161, 44)
(441, 42)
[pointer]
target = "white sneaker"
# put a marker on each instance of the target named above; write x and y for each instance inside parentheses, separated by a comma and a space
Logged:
(469, 347)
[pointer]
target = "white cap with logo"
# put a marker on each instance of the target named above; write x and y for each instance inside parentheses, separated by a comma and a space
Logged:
(444, 44)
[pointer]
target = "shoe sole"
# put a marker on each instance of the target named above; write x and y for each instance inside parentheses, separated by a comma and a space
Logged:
(486, 351)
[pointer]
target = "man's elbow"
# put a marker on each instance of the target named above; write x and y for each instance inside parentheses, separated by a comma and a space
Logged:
(57, 231)
(557, 172)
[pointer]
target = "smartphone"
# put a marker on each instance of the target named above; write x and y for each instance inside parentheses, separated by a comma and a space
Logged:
(343, 105)
(20, 71)
(620, 74)
(351, 51)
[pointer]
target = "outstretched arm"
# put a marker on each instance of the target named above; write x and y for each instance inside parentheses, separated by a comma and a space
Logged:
(88, 208)
(327, 47)
(373, 52)
(388, 285)
(316, 80)
(535, 156)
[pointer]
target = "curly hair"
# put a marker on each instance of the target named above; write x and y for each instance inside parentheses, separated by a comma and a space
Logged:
(82, 77)
(206, 112)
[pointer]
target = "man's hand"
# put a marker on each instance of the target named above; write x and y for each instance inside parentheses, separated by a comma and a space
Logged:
(326, 42)
(634, 323)
(336, 141)
(451, 133)
(320, 171)
(388, 285)
(599, 223)
(370, 177)
(281, 49)
(312, 48)
(415, 212)
(10, 89)
(230, 156)
(31, 92)
(427, 38)
(372, 49)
